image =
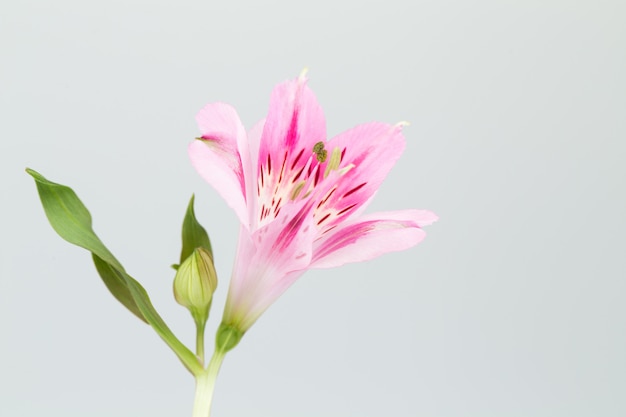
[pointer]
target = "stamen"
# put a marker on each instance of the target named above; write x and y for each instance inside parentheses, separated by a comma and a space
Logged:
(335, 159)
(317, 148)
(345, 169)
(297, 189)
(320, 152)
(322, 155)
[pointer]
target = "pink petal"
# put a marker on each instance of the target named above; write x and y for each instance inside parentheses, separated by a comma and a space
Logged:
(221, 156)
(254, 141)
(268, 262)
(372, 150)
(371, 236)
(286, 243)
(295, 121)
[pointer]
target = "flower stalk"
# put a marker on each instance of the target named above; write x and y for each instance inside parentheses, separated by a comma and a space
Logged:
(205, 385)
(200, 326)
(300, 199)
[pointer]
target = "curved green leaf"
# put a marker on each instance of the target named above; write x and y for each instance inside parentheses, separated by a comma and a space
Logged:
(71, 220)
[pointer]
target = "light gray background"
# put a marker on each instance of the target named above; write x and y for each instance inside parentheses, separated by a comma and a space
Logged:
(512, 306)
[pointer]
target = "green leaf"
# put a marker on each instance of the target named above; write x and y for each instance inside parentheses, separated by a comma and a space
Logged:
(116, 282)
(194, 235)
(71, 220)
(144, 304)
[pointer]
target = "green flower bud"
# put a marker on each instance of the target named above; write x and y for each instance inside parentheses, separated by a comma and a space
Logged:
(195, 283)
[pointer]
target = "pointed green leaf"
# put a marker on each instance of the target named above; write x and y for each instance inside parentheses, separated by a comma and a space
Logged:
(194, 235)
(71, 220)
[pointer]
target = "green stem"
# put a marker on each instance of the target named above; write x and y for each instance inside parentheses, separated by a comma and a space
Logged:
(205, 384)
(200, 340)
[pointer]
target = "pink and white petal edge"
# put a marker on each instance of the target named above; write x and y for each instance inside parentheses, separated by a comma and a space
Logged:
(212, 168)
(371, 236)
(222, 157)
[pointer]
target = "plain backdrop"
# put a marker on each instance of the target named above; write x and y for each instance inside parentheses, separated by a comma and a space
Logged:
(514, 305)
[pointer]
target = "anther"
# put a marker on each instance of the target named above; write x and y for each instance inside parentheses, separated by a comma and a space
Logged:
(333, 164)
(322, 155)
(318, 147)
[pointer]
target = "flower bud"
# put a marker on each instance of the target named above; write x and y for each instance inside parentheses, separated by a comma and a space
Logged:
(195, 282)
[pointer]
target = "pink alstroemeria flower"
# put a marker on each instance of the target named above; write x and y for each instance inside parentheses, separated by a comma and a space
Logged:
(299, 196)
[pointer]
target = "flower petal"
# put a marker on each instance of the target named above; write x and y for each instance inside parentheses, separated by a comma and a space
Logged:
(368, 152)
(268, 262)
(295, 121)
(221, 155)
(254, 141)
(371, 236)
(294, 124)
